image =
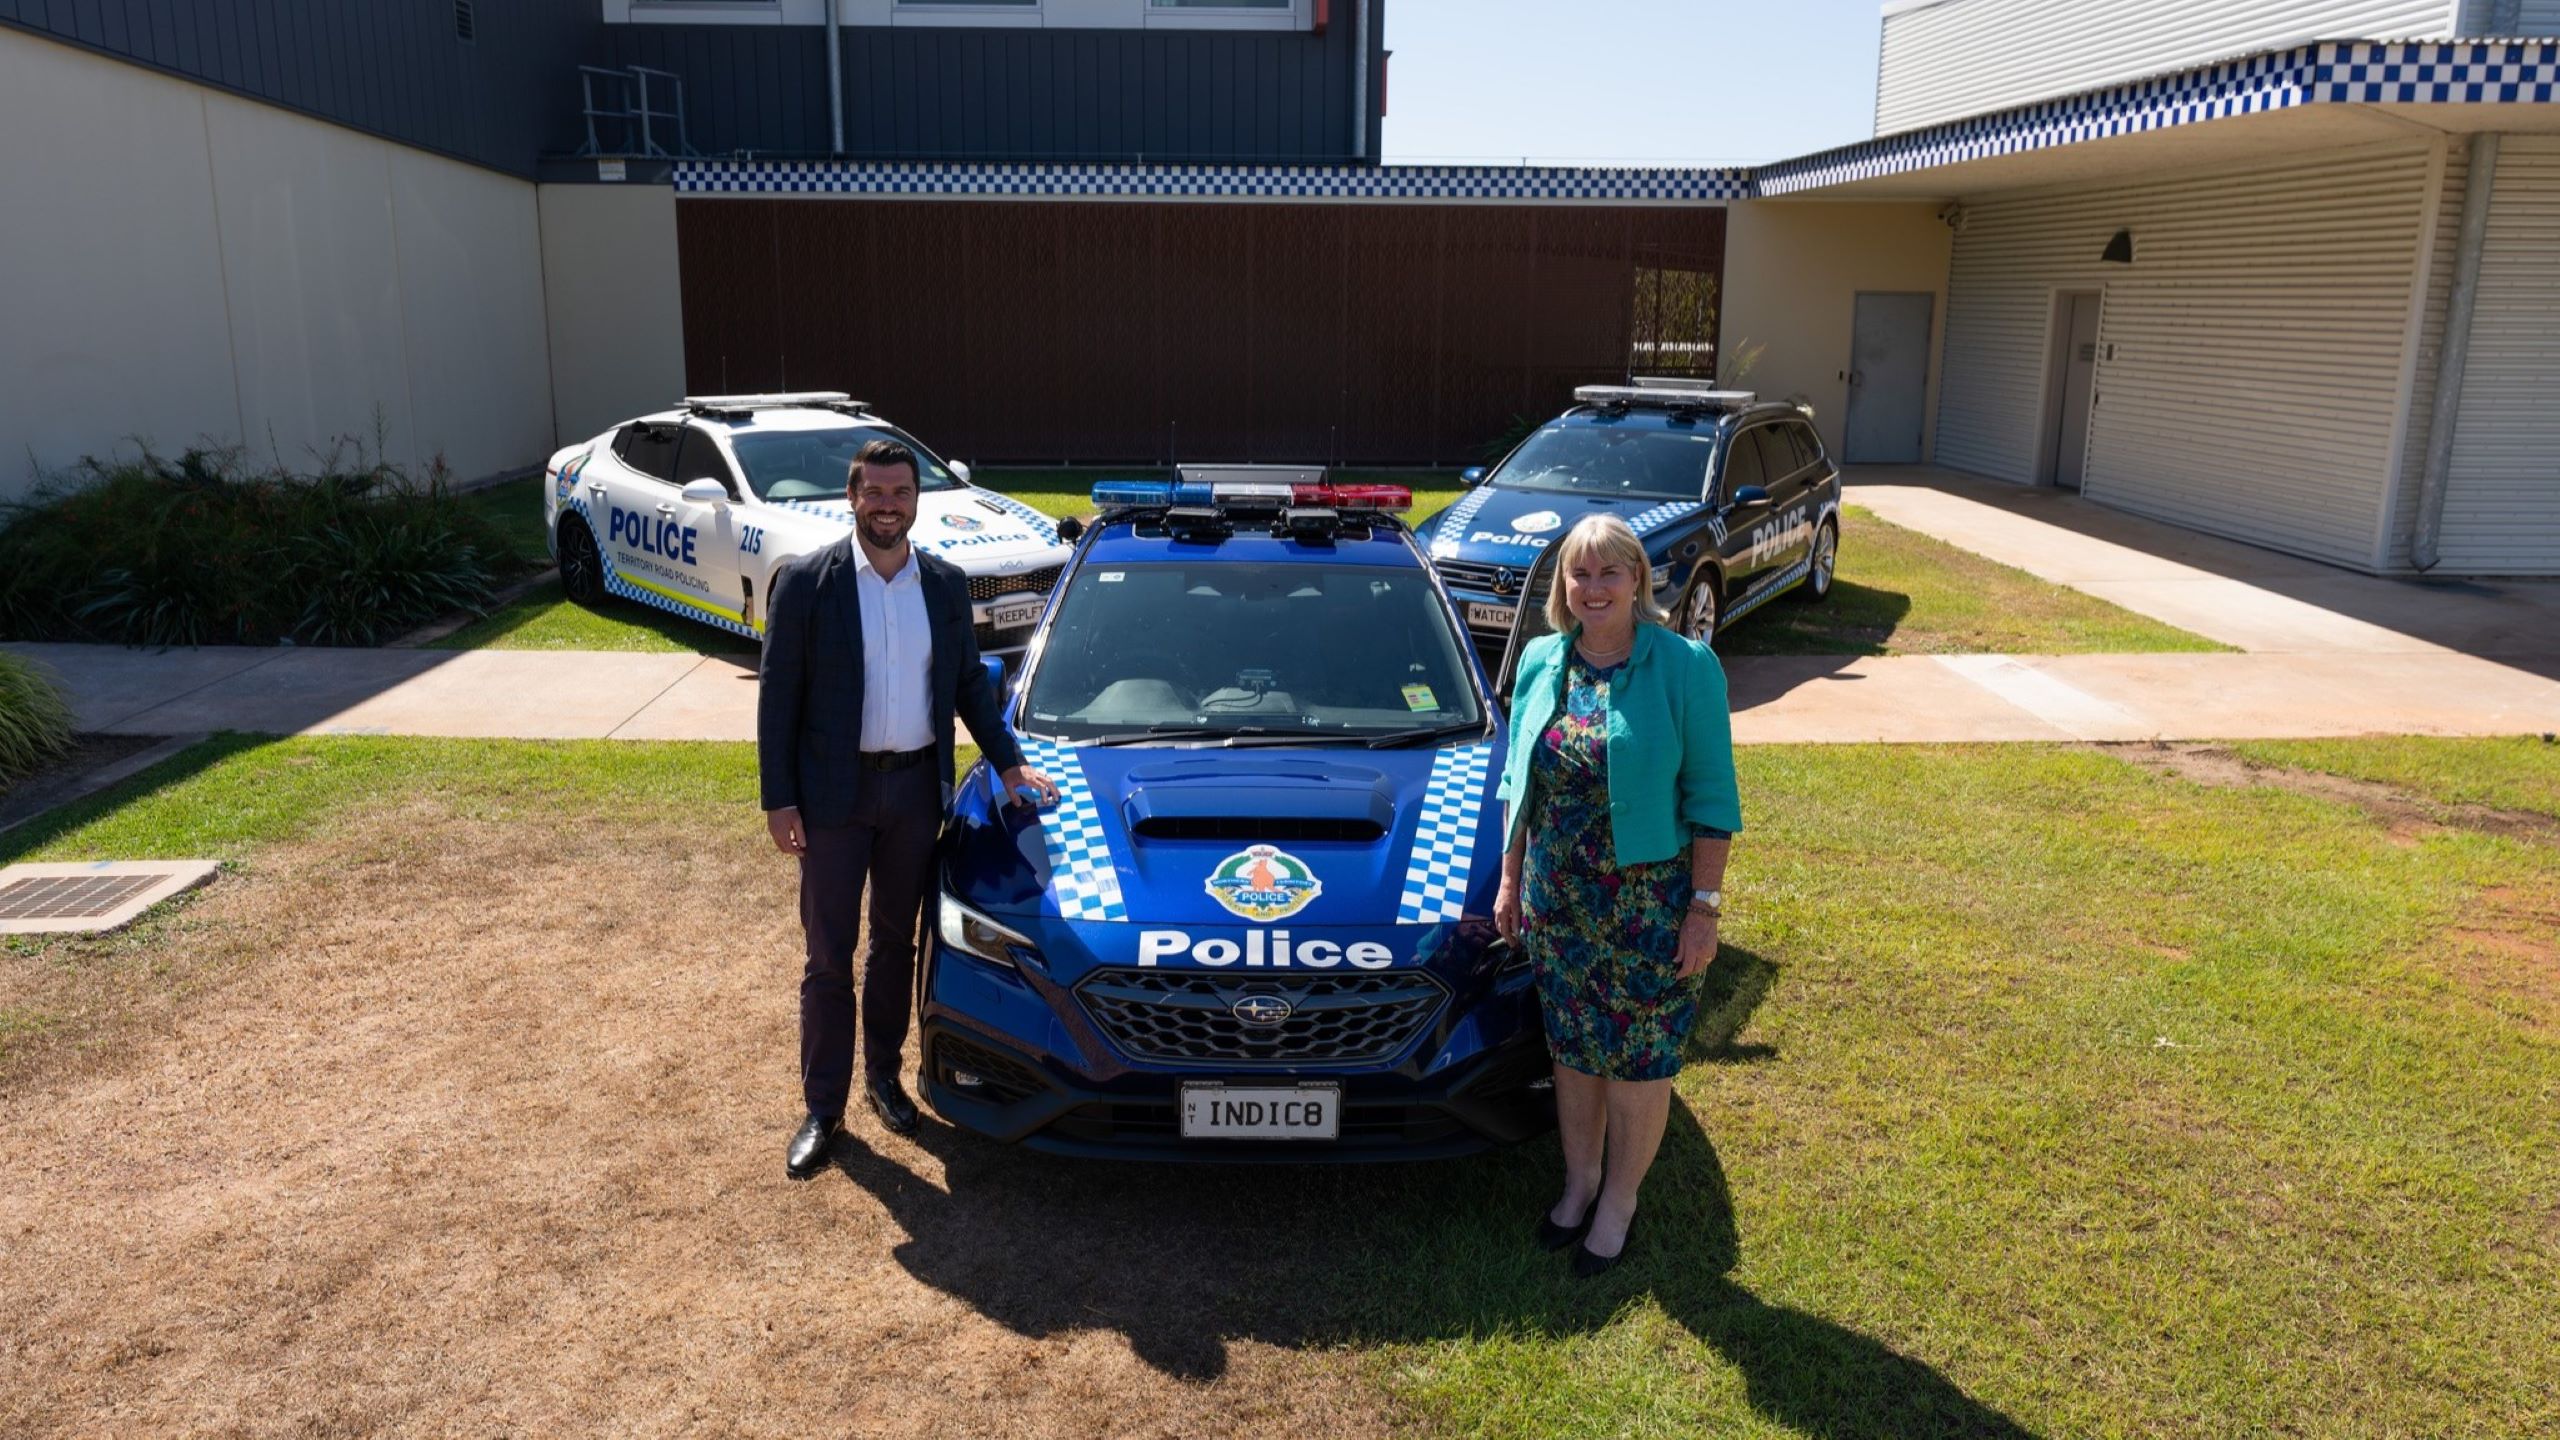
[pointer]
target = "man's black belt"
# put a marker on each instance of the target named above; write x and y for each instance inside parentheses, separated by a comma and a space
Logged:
(895, 759)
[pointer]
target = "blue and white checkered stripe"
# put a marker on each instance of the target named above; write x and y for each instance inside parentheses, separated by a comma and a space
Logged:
(1041, 525)
(1444, 839)
(1454, 520)
(2366, 72)
(615, 585)
(1606, 185)
(2407, 72)
(1646, 522)
(1083, 882)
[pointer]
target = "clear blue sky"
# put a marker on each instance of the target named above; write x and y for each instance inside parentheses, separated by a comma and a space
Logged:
(1627, 81)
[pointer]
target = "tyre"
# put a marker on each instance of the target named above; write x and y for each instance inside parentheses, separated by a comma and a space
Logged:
(1826, 563)
(1700, 610)
(581, 564)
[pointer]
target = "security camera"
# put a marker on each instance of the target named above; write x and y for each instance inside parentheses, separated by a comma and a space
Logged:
(1952, 216)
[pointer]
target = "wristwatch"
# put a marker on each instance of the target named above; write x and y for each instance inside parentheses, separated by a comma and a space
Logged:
(1707, 902)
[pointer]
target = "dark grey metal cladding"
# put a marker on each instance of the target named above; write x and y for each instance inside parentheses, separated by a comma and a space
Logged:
(393, 68)
(1002, 93)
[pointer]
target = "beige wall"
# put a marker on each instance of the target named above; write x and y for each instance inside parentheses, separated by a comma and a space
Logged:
(205, 269)
(1792, 273)
(615, 312)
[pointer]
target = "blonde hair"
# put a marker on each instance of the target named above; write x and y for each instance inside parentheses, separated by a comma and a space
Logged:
(1606, 537)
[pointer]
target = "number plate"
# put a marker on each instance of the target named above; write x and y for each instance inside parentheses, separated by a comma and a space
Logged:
(1216, 1111)
(1015, 611)
(1489, 617)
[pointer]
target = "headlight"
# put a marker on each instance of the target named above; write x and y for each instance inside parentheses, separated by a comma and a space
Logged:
(1662, 577)
(971, 933)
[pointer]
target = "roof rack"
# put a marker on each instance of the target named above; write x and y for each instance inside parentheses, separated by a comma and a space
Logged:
(1665, 391)
(732, 406)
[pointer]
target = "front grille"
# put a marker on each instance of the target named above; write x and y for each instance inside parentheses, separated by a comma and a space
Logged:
(1003, 1081)
(1467, 575)
(1190, 1018)
(1029, 582)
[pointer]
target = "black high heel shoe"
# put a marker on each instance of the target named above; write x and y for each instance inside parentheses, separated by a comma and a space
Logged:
(1552, 1236)
(1587, 1266)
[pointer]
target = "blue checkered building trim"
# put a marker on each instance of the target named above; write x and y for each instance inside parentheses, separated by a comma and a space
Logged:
(1412, 183)
(2334, 72)
(1444, 838)
(1083, 882)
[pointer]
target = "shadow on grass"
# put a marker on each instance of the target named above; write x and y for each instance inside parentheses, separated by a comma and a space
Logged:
(1185, 1260)
(1855, 620)
(40, 830)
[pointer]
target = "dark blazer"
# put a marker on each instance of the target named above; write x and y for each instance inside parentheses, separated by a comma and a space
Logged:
(809, 704)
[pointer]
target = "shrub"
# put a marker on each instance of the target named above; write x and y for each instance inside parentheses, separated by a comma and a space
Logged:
(35, 725)
(198, 552)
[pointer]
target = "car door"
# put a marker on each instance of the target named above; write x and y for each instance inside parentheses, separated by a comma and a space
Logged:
(1793, 461)
(712, 528)
(1739, 468)
(654, 538)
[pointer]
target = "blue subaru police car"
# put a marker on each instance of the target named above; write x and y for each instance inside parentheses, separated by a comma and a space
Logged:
(1735, 501)
(1256, 925)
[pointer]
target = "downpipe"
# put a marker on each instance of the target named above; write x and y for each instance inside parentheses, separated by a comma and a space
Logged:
(2479, 182)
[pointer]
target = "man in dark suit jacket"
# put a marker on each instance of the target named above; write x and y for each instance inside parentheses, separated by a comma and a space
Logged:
(869, 651)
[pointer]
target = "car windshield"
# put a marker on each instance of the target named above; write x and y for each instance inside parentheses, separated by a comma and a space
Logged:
(1606, 458)
(812, 464)
(1268, 650)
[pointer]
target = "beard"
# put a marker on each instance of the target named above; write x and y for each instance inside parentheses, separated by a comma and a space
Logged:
(885, 529)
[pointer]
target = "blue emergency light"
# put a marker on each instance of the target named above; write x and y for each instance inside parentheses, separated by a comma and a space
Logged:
(1246, 495)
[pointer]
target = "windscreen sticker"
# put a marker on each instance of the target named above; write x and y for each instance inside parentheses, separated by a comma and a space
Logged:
(1419, 697)
(1112, 577)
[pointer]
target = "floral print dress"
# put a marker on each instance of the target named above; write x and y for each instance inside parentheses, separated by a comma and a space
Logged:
(1603, 939)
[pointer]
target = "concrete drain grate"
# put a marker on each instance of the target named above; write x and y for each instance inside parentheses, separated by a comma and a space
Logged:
(86, 898)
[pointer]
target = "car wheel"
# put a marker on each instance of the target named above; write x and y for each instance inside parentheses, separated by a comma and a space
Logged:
(581, 564)
(1826, 563)
(1700, 611)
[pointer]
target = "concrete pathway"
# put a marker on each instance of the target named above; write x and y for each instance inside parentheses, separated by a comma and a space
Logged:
(571, 695)
(2325, 653)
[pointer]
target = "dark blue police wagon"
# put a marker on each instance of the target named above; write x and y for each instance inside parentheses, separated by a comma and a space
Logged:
(1735, 501)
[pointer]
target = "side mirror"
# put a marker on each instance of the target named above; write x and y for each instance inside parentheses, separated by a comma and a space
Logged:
(1472, 476)
(961, 469)
(995, 671)
(705, 491)
(1071, 529)
(1751, 495)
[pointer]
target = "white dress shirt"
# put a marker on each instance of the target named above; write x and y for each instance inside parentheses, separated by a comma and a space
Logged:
(897, 656)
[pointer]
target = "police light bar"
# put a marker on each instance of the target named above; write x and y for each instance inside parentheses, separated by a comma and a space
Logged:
(775, 400)
(1692, 394)
(1243, 495)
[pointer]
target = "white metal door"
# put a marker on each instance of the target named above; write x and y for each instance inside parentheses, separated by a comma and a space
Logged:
(1888, 378)
(2075, 380)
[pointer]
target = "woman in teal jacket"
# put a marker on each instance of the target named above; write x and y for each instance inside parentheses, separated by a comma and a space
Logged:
(1622, 806)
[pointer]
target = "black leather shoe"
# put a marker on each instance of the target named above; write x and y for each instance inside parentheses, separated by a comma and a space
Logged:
(810, 1146)
(889, 1101)
(1552, 1236)
(1587, 1266)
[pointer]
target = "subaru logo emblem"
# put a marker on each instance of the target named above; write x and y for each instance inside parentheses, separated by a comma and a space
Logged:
(1260, 1010)
(1503, 581)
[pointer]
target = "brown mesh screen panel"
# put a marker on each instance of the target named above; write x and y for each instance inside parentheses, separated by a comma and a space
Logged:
(1120, 333)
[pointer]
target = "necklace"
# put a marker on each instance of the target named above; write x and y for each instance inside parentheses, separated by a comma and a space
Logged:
(1602, 660)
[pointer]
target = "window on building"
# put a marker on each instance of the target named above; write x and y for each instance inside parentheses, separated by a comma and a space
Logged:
(1674, 325)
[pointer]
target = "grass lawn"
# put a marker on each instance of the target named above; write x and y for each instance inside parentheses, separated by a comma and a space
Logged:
(515, 507)
(1899, 592)
(2040, 1094)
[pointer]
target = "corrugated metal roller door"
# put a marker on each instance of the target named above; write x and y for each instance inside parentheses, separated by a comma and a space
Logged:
(2502, 504)
(2249, 358)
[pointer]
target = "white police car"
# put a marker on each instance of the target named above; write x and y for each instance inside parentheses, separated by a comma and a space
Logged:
(693, 509)
(1734, 499)
(1257, 924)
